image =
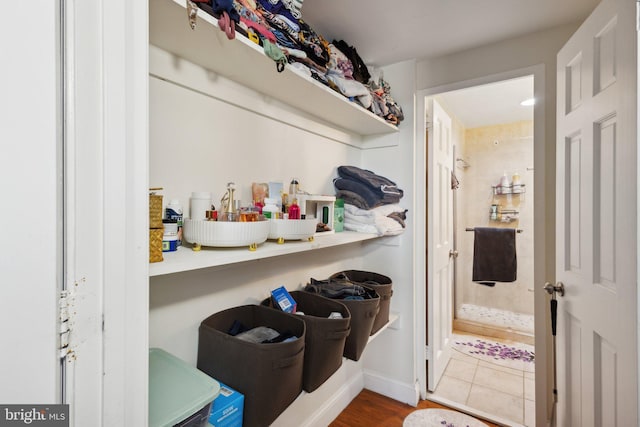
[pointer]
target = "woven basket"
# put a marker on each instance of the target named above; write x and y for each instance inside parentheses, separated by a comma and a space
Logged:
(155, 244)
(155, 211)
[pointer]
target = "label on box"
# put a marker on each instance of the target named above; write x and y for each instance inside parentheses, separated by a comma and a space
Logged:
(227, 408)
(283, 300)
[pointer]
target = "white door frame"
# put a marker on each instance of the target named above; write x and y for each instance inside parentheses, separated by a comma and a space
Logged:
(106, 200)
(541, 225)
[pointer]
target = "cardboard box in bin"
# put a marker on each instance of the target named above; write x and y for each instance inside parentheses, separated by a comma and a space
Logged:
(227, 408)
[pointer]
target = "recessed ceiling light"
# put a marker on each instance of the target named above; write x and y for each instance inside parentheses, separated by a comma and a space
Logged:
(528, 102)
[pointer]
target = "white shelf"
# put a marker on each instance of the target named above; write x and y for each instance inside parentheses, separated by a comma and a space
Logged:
(245, 62)
(185, 259)
(306, 402)
(393, 317)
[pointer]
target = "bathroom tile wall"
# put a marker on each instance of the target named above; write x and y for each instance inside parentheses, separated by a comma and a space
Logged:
(490, 152)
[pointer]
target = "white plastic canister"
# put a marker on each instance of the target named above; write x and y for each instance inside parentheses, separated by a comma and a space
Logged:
(199, 204)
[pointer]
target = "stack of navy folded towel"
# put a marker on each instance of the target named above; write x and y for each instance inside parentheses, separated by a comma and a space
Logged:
(371, 202)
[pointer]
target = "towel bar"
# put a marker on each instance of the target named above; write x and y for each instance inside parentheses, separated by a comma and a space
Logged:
(518, 230)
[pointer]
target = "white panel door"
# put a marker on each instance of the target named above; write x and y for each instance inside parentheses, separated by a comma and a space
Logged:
(30, 150)
(596, 221)
(439, 243)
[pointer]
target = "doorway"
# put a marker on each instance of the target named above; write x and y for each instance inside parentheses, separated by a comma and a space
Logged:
(493, 364)
(500, 318)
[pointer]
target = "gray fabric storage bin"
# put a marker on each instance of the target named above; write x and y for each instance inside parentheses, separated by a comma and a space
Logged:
(268, 375)
(363, 314)
(324, 338)
(380, 283)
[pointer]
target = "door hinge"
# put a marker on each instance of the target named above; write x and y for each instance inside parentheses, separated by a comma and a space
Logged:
(64, 304)
(427, 352)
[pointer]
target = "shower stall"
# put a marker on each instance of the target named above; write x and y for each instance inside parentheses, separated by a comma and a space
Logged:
(494, 172)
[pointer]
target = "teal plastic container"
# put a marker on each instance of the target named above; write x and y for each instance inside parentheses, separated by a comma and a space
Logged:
(178, 393)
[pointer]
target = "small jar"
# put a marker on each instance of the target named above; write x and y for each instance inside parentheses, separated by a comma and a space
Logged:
(270, 208)
(174, 211)
(170, 236)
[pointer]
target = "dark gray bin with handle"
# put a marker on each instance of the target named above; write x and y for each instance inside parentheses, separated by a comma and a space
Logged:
(324, 338)
(363, 312)
(380, 283)
(268, 375)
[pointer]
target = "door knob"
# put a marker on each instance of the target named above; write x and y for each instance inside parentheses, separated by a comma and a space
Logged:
(453, 254)
(552, 290)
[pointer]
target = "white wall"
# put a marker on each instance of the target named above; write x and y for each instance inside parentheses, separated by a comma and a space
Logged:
(390, 359)
(216, 132)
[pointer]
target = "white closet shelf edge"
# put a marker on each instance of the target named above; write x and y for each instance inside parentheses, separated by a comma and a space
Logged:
(243, 61)
(185, 259)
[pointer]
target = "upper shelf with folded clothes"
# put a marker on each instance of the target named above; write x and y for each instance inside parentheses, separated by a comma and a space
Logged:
(245, 62)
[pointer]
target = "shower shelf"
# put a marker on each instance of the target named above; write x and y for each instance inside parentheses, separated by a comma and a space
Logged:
(499, 190)
(507, 215)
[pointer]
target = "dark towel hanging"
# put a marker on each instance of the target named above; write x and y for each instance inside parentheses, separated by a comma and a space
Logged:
(494, 255)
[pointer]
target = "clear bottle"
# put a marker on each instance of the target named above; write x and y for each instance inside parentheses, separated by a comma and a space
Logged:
(504, 183)
(294, 210)
(229, 212)
(294, 187)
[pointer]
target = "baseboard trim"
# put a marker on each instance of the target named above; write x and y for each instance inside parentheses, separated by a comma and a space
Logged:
(320, 408)
(402, 392)
(492, 331)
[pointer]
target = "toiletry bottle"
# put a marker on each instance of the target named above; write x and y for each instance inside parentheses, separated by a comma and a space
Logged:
(285, 203)
(517, 184)
(504, 182)
(270, 208)
(338, 215)
(170, 235)
(294, 187)
(294, 210)
(258, 205)
(229, 212)
(174, 211)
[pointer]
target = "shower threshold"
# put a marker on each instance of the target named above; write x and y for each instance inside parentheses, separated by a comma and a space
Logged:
(496, 323)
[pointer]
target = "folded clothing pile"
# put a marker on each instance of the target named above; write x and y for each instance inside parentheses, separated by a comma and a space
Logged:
(371, 202)
(338, 289)
(277, 25)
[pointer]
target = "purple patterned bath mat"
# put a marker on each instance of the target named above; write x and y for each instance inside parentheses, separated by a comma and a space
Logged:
(513, 355)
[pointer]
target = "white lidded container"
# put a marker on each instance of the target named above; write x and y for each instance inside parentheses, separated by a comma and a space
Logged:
(199, 204)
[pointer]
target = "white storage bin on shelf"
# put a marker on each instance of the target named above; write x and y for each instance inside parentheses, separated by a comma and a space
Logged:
(292, 229)
(225, 234)
(319, 208)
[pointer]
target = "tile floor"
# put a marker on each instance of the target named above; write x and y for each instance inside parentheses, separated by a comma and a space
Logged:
(505, 392)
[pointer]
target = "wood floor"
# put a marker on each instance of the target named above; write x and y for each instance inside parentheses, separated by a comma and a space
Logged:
(371, 409)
